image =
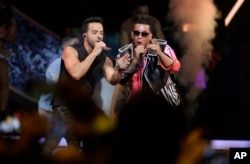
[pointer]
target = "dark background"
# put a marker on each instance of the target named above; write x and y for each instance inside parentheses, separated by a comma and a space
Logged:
(229, 106)
(56, 15)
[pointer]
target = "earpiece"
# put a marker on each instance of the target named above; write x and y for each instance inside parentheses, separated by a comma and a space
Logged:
(84, 35)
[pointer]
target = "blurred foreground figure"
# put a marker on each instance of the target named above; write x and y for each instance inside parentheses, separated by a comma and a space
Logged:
(8, 33)
(158, 135)
(22, 144)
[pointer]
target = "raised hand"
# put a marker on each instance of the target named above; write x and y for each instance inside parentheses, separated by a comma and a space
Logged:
(123, 62)
(155, 46)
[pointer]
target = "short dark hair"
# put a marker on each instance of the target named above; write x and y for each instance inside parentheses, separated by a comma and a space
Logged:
(93, 19)
(143, 21)
(140, 3)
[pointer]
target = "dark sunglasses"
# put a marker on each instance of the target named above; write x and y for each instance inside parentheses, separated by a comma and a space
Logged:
(143, 34)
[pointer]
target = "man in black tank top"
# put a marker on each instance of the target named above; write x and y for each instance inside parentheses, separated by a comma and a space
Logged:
(81, 67)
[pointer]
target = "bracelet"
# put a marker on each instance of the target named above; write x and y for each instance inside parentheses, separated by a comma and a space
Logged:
(119, 69)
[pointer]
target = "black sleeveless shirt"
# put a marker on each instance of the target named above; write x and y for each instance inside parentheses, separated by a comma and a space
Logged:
(68, 89)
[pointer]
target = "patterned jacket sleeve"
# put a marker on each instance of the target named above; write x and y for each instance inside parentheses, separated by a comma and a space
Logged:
(175, 67)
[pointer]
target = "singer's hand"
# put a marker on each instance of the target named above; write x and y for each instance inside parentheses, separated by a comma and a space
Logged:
(99, 46)
(155, 46)
(123, 61)
(139, 50)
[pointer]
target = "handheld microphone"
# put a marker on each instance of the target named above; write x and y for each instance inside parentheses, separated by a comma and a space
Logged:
(107, 48)
(141, 59)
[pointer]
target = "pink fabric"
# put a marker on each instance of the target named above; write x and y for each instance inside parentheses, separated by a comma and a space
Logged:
(175, 67)
(136, 80)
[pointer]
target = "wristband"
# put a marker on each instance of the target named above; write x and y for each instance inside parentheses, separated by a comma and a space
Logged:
(119, 69)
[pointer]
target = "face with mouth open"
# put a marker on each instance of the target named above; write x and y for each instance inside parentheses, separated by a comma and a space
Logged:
(141, 34)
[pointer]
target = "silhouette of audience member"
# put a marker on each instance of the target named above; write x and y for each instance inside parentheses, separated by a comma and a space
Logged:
(8, 33)
(23, 146)
(161, 135)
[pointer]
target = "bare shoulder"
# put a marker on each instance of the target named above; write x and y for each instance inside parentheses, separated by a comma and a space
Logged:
(127, 23)
(153, 19)
(69, 51)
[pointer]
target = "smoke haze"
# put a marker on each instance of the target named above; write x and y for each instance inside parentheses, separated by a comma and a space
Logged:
(194, 29)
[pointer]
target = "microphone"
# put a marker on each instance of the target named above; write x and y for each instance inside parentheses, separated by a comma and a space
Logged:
(141, 59)
(107, 48)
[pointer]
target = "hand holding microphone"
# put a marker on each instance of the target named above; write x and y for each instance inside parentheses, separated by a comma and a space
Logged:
(154, 47)
(139, 51)
(100, 46)
(104, 47)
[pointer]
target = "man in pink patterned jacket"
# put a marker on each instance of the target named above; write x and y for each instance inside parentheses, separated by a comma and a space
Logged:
(152, 66)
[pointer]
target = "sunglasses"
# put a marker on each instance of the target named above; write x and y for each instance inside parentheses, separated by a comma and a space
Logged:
(143, 34)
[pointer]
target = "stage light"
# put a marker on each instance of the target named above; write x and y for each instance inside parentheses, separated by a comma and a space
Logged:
(233, 11)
